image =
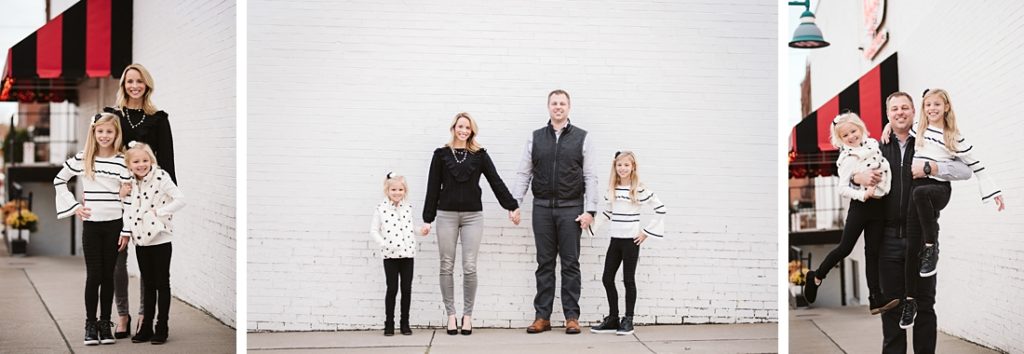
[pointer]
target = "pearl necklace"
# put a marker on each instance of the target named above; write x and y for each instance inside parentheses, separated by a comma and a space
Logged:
(129, 118)
(465, 155)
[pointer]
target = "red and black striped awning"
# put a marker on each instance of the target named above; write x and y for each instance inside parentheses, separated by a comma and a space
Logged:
(810, 148)
(92, 39)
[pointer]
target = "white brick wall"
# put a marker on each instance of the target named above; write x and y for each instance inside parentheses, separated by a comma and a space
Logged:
(189, 47)
(341, 94)
(973, 51)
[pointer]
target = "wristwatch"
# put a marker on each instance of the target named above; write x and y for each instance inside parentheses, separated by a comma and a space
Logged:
(927, 169)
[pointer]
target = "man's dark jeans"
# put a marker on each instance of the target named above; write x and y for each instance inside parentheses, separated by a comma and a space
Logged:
(891, 264)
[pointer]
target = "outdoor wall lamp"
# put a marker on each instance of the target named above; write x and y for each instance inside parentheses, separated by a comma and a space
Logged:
(807, 34)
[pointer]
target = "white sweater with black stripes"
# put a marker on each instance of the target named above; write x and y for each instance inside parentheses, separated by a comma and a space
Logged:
(623, 216)
(100, 192)
(934, 149)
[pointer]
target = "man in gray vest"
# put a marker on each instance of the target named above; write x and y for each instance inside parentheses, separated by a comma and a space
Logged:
(558, 164)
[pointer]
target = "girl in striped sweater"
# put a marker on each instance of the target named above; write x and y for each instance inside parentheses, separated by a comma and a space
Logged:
(104, 183)
(625, 196)
(937, 138)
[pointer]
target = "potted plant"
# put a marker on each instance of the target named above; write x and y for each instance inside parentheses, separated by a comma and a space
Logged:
(20, 223)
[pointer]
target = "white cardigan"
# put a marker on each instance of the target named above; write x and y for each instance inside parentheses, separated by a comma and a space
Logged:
(867, 156)
(392, 228)
(149, 208)
(623, 216)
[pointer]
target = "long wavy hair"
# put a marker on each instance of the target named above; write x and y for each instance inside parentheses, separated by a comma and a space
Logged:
(950, 133)
(634, 177)
(92, 147)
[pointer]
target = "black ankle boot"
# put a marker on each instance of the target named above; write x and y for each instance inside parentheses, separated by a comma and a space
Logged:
(389, 328)
(404, 326)
(145, 332)
(160, 334)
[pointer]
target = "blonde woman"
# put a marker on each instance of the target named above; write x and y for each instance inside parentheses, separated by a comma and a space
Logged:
(453, 199)
(140, 121)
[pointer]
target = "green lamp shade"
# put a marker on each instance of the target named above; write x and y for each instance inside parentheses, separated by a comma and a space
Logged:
(807, 34)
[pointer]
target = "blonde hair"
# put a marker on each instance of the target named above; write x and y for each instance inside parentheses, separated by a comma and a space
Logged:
(846, 118)
(139, 147)
(122, 94)
(634, 177)
(950, 133)
(394, 178)
(92, 146)
(471, 144)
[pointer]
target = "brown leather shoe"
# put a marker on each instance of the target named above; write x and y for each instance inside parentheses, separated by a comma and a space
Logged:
(541, 325)
(572, 326)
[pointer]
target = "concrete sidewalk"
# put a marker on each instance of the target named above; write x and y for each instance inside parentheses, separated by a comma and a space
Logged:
(852, 329)
(736, 338)
(43, 312)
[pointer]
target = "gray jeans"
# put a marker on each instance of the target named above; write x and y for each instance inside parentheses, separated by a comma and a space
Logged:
(451, 226)
(121, 285)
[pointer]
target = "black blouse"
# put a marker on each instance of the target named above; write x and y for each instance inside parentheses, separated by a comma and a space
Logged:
(154, 130)
(455, 186)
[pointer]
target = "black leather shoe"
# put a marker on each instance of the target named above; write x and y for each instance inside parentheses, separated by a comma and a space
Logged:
(127, 330)
(810, 287)
(909, 313)
(625, 326)
(929, 261)
(453, 331)
(463, 329)
(610, 324)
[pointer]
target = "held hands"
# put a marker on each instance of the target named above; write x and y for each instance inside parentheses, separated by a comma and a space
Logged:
(1000, 203)
(868, 178)
(585, 220)
(514, 216)
(639, 238)
(126, 189)
(425, 230)
(122, 243)
(869, 193)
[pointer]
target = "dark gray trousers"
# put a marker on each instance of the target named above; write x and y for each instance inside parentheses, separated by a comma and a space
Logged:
(557, 234)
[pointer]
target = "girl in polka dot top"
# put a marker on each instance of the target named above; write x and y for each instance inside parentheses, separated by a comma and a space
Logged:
(392, 229)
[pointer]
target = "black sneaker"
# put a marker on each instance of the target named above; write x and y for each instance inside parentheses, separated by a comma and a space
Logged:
(880, 304)
(625, 326)
(92, 337)
(810, 288)
(610, 324)
(104, 330)
(909, 313)
(929, 260)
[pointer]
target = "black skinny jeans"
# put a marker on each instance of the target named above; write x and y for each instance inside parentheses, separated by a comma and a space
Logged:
(155, 266)
(99, 245)
(395, 268)
(927, 198)
(862, 217)
(624, 251)
(891, 263)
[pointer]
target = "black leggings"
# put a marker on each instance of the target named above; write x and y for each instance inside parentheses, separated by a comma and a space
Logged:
(393, 268)
(927, 198)
(99, 245)
(624, 251)
(155, 266)
(862, 217)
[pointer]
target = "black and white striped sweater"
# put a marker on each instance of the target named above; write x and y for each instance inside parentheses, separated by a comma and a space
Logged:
(934, 149)
(623, 216)
(100, 193)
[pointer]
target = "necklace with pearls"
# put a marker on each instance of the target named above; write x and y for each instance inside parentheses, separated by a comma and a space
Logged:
(455, 154)
(129, 118)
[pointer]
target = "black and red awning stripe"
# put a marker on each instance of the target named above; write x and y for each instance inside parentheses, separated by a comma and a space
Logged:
(811, 153)
(92, 39)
